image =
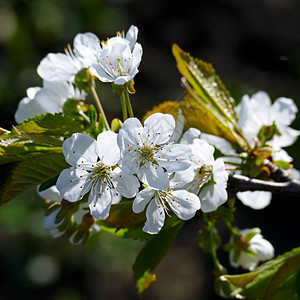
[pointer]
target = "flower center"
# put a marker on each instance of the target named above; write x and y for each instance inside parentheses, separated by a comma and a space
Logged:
(146, 154)
(101, 172)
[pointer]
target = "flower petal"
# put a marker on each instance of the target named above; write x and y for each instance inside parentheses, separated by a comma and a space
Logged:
(73, 184)
(189, 136)
(283, 111)
(174, 157)
(184, 204)
(80, 149)
(100, 200)
(155, 218)
(159, 128)
(142, 199)
(127, 185)
(255, 199)
(154, 176)
(51, 194)
(57, 67)
(108, 149)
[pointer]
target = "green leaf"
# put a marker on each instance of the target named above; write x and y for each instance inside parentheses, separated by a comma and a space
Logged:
(207, 85)
(151, 254)
(122, 221)
(282, 164)
(276, 279)
(207, 99)
(30, 173)
(49, 124)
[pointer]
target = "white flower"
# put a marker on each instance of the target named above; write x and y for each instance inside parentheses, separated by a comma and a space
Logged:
(259, 248)
(149, 152)
(118, 58)
(64, 67)
(51, 98)
(208, 177)
(257, 111)
(91, 171)
(183, 203)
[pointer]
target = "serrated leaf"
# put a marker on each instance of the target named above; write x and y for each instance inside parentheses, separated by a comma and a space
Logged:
(207, 85)
(30, 173)
(270, 279)
(151, 254)
(49, 124)
(201, 115)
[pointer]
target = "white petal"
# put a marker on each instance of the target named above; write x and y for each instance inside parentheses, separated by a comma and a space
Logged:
(142, 199)
(280, 154)
(185, 204)
(27, 108)
(155, 218)
(121, 80)
(100, 200)
(154, 176)
(86, 46)
(255, 199)
(51, 194)
(189, 136)
(221, 144)
(131, 35)
(174, 157)
(57, 67)
(129, 162)
(288, 136)
(283, 111)
(31, 92)
(136, 59)
(109, 151)
(127, 185)
(263, 248)
(159, 128)
(79, 149)
(73, 184)
(203, 152)
(182, 177)
(130, 133)
(179, 127)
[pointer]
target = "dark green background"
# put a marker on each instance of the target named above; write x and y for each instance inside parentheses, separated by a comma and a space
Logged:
(253, 45)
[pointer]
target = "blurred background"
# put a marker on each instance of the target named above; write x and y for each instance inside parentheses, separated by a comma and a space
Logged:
(253, 45)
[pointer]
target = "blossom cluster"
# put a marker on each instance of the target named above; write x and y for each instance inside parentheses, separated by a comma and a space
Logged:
(115, 60)
(155, 165)
(177, 177)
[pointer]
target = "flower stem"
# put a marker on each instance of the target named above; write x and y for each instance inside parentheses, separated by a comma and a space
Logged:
(124, 106)
(85, 117)
(98, 103)
(128, 104)
(218, 268)
(231, 229)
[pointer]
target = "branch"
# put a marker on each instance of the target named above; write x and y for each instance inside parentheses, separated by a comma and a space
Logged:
(240, 183)
(277, 174)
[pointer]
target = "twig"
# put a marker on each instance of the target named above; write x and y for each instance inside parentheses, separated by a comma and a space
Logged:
(277, 174)
(240, 183)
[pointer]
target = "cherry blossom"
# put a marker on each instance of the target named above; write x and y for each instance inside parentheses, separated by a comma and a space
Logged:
(92, 171)
(149, 152)
(254, 249)
(183, 203)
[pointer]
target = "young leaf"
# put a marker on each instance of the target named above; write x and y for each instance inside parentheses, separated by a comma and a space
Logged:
(151, 254)
(207, 85)
(276, 279)
(30, 173)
